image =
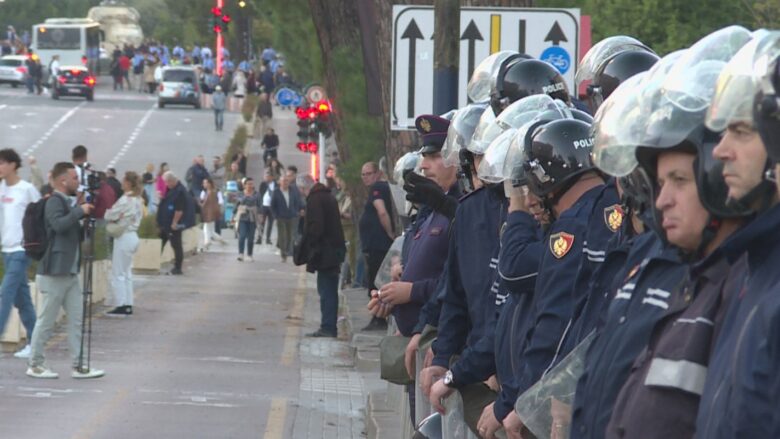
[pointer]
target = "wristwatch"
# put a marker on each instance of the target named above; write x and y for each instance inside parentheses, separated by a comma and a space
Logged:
(449, 380)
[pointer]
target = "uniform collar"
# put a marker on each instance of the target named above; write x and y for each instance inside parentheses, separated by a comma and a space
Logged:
(758, 237)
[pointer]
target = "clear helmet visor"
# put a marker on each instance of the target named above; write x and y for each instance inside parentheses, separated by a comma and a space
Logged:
(690, 84)
(492, 167)
(408, 162)
(737, 84)
(617, 128)
(484, 76)
(461, 130)
(601, 52)
(481, 139)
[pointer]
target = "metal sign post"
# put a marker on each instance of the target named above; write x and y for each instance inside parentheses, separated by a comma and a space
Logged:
(321, 154)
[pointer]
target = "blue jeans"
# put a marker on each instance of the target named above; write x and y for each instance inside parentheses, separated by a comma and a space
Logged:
(15, 291)
(219, 118)
(328, 288)
(246, 236)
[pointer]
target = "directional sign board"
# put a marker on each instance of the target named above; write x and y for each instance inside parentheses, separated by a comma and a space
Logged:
(548, 34)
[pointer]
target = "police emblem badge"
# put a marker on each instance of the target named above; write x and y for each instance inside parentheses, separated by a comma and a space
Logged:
(561, 243)
(613, 217)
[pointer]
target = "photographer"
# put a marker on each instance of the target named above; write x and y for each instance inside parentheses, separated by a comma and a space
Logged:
(170, 217)
(79, 155)
(58, 271)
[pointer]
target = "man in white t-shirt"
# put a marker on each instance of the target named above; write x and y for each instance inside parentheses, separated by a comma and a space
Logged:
(15, 195)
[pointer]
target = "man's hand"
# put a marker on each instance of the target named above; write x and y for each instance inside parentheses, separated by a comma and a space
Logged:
(410, 354)
(439, 391)
(428, 358)
(488, 425)
(377, 306)
(513, 425)
(423, 190)
(428, 376)
(492, 383)
(396, 293)
(87, 208)
(561, 419)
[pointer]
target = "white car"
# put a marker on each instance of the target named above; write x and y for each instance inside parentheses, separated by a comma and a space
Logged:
(13, 70)
(178, 85)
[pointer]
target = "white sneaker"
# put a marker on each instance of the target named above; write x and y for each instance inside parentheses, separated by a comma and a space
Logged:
(25, 352)
(249, 259)
(41, 372)
(83, 374)
(240, 258)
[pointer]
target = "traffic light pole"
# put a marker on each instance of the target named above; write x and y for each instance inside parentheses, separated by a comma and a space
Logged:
(321, 154)
(220, 44)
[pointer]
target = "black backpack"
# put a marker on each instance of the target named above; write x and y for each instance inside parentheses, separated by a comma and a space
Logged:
(35, 239)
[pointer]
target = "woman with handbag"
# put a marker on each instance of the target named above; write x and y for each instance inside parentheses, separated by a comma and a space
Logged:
(122, 222)
(249, 203)
(211, 203)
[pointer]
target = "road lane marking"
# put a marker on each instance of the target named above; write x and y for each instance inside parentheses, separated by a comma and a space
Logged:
(274, 428)
(131, 139)
(103, 416)
(53, 128)
(291, 334)
(3, 106)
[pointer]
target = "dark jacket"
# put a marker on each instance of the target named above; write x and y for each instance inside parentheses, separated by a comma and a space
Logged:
(265, 109)
(740, 396)
(198, 173)
(64, 232)
(286, 210)
(667, 378)
(641, 301)
(323, 233)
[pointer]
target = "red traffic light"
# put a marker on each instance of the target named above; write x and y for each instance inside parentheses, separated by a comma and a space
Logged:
(323, 107)
(301, 112)
(216, 11)
(226, 19)
(312, 147)
(217, 28)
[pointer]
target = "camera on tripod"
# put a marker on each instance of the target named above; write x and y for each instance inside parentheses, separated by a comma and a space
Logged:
(90, 181)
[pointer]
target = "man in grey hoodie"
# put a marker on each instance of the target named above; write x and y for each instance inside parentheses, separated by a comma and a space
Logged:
(218, 104)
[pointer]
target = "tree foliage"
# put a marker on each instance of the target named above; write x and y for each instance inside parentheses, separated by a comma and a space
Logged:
(664, 25)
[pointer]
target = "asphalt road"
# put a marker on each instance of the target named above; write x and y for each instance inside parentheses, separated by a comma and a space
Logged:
(211, 354)
(125, 130)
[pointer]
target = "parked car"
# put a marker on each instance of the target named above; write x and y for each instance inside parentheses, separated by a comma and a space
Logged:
(73, 81)
(12, 70)
(179, 85)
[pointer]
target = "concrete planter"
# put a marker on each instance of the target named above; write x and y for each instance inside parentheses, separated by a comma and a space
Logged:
(101, 280)
(148, 257)
(190, 239)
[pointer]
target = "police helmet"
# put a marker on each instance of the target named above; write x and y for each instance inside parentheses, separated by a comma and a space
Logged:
(616, 70)
(556, 154)
(525, 78)
(766, 111)
(429, 428)
(708, 171)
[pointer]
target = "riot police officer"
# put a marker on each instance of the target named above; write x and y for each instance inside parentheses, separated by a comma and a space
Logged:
(738, 398)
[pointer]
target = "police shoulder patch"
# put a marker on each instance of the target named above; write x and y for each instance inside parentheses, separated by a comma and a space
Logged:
(613, 217)
(561, 243)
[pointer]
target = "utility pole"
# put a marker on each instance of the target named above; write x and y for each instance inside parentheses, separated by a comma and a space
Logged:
(446, 48)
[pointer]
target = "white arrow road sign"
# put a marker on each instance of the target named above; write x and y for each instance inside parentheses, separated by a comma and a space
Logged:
(548, 34)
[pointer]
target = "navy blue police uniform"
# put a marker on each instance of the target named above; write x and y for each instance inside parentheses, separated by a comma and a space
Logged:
(641, 301)
(471, 271)
(739, 399)
(551, 305)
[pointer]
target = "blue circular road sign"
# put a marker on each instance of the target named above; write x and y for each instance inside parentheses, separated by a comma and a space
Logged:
(558, 57)
(287, 97)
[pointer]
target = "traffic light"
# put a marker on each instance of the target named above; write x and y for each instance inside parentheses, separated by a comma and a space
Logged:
(305, 131)
(323, 123)
(241, 4)
(219, 21)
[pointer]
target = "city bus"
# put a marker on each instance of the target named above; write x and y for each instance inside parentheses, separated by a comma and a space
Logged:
(75, 40)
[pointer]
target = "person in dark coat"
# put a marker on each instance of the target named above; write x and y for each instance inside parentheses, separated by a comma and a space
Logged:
(324, 238)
